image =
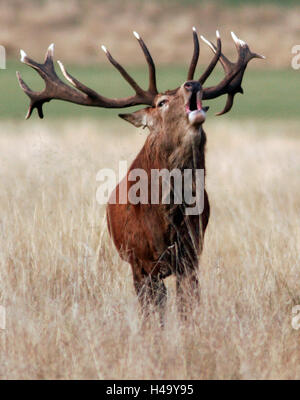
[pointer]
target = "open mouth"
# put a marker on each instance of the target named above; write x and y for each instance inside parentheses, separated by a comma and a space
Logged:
(194, 102)
(193, 107)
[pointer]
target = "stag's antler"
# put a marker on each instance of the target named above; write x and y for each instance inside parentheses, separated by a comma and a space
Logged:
(234, 72)
(57, 89)
(231, 84)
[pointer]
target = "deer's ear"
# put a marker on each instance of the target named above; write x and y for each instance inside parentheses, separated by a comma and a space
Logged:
(138, 118)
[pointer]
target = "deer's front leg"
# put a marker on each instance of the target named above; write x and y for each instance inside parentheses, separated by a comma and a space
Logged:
(152, 295)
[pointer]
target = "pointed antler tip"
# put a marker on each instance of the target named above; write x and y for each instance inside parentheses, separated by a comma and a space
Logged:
(194, 29)
(237, 40)
(208, 43)
(29, 112)
(51, 47)
(218, 34)
(65, 73)
(234, 37)
(136, 35)
(204, 40)
(104, 49)
(23, 55)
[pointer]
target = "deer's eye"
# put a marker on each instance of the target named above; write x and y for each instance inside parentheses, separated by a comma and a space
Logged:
(162, 103)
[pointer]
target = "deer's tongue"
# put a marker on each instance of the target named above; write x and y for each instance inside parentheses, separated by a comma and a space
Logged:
(196, 114)
(197, 117)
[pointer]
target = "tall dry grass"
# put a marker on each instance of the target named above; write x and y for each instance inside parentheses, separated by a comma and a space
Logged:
(71, 308)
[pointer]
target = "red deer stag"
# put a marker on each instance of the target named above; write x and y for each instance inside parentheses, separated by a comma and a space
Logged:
(156, 239)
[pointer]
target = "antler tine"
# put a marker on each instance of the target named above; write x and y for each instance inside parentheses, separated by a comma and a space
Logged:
(151, 66)
(29, 93)
(217, 51)
(229, 103)
(195, 57)
(49, 55)
(231, 84)
(122, 71)
(78, 85)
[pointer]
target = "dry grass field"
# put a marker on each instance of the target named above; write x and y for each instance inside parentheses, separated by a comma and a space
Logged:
(71, 308)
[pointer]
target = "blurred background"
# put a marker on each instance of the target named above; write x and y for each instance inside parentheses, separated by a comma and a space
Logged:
(78, 28)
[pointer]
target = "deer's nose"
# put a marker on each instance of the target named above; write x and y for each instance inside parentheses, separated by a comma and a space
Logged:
(192, 86)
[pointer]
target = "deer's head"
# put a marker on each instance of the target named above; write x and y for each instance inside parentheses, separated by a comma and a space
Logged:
(177, 110)
(181, 107)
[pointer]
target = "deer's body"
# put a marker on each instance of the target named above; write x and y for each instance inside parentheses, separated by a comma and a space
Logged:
(144, 232)
(156, 239)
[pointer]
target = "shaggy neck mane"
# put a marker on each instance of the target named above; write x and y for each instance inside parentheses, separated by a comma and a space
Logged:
(174, 150)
